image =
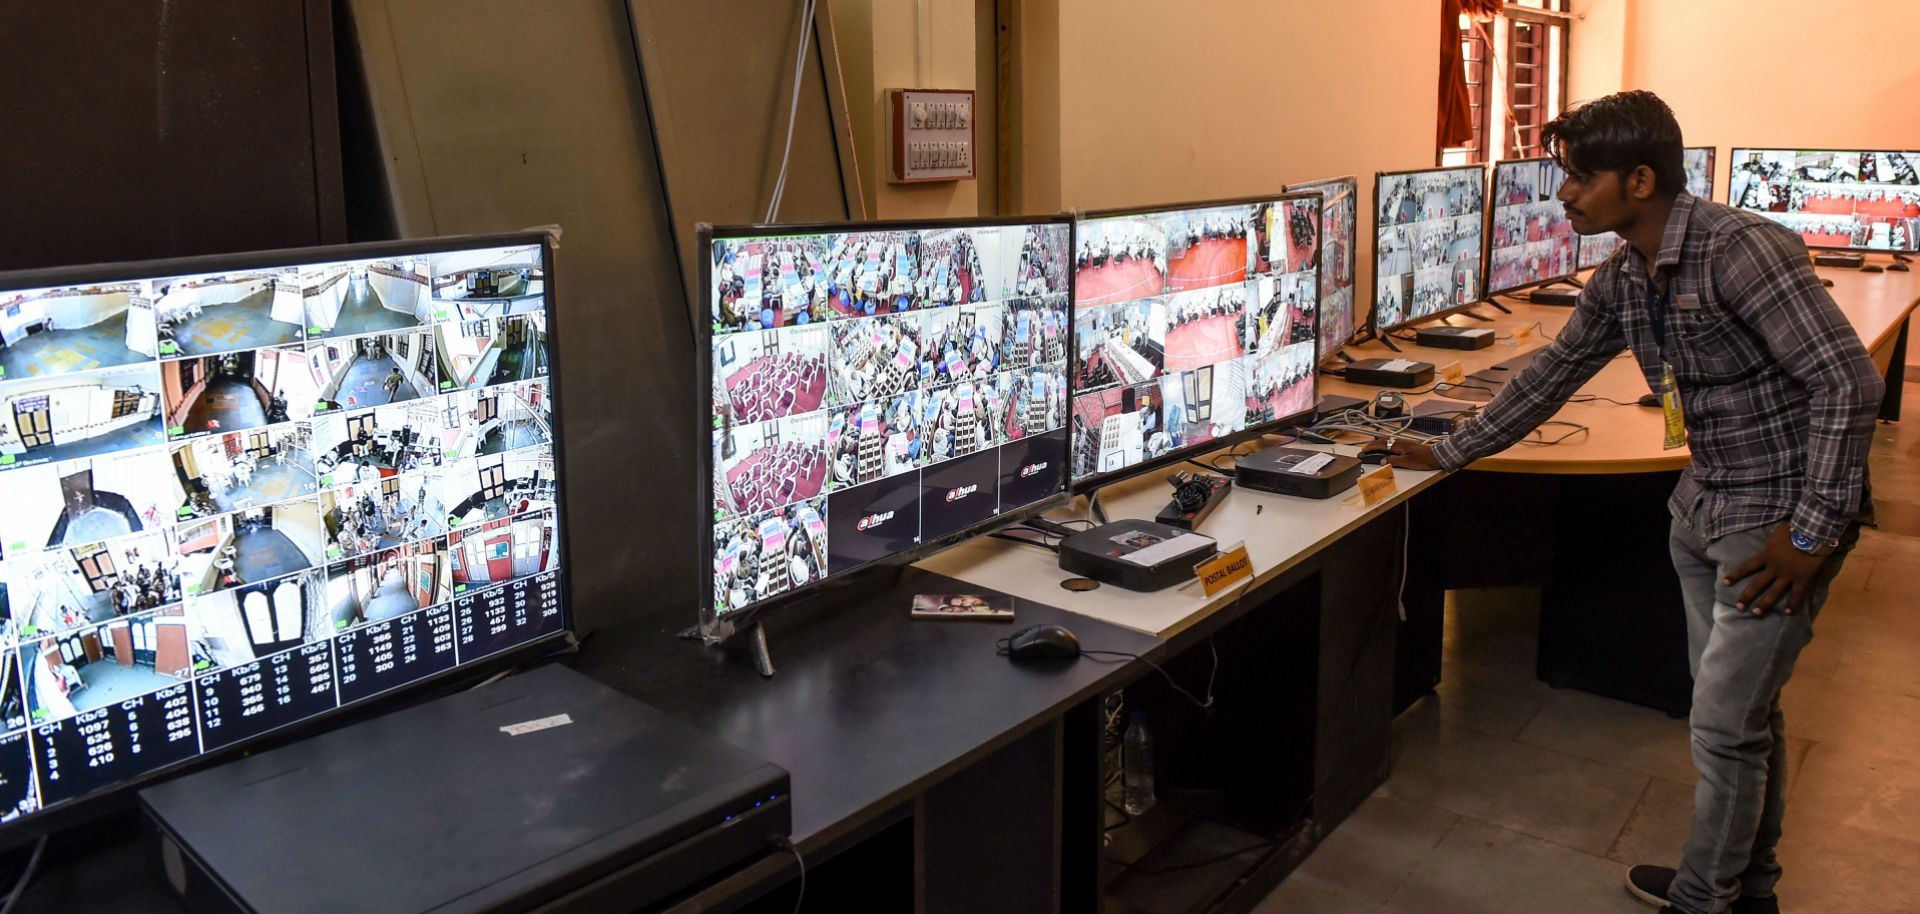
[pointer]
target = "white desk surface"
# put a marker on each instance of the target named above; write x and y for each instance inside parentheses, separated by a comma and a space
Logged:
(1281, 532)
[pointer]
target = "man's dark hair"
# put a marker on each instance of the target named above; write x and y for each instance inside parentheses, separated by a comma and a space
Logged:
(1619, 133)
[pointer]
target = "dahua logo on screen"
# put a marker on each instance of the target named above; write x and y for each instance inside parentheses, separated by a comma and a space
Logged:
(874, 520)
(1032, 469)
(962, 492)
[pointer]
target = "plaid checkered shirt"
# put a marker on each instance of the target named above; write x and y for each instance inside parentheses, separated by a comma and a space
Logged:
(1777, 389)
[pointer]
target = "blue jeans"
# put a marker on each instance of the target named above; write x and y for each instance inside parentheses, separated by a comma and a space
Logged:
(1740, 662)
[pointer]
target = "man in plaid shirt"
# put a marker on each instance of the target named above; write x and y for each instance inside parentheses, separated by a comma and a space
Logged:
(1777, 395)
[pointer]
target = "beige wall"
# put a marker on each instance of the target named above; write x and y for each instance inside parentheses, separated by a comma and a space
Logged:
(1758, 72)
(1227, 98)
(899, 44)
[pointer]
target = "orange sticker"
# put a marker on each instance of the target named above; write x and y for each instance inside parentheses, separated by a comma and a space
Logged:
(1377, 485)
(1452, 373)
(1224, 570)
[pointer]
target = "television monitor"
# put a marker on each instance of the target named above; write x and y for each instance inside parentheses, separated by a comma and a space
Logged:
(1865, 200)
(1699, 165)
(1429, 243)
(247, 491)
(872, 391)
(1595, 249)
(1531, 240)
(1194, 326)
(1339, 233)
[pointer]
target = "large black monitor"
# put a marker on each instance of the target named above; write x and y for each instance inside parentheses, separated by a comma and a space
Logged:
(1194, 326)
(246, 491)
(1595, 249)
(1339, 233)
(1429, 243)
(872, 391)
(1532, 241)
(1865, 200)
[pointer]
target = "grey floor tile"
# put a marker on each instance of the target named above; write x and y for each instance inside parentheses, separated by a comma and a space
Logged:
(1839, 869)
(1306, 894)
(1490, 701)
(1370, 855)
(1613, 733)
(1859, 786)
(1835, 711)
(1484, 869)
(1560, 798)
(1658, 830)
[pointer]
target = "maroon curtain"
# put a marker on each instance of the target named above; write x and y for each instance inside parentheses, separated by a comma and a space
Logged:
(1455, 125)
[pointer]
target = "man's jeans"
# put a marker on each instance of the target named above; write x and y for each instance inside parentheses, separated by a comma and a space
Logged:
(1740, 662)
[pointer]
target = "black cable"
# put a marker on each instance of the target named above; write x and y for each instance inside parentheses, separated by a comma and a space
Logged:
(26, 876)
(1215, 672)
(1542, 441)
(1041, 542)
(785, 843)
(1596, 398)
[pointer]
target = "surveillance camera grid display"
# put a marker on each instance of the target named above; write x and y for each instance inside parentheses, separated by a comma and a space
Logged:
(292, 488)
(1429, 244)
(1339, 228)
(1533, 240)
(1595, 249)
(1863, 200)
(874, 390)
(1192, 325)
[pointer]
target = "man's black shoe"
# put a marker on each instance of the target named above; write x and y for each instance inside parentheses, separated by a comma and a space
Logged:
(1650, 884)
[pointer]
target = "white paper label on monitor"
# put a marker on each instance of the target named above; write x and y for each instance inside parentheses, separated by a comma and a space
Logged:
(1311, 465)
(1398, 365)
(1166, 549)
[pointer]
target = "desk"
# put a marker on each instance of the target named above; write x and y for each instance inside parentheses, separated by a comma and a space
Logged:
(1586, 520)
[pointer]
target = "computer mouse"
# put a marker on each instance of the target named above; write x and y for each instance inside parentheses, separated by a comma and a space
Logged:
(1872, 268)
(1651, 400)
(1828, 283)
(1898, 268)
(1373, 458)
(1043, 642)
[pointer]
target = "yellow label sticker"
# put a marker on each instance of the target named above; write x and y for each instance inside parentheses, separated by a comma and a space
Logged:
(1670, 405)
(1226, 569)
(1377, 485)
(1452, 373)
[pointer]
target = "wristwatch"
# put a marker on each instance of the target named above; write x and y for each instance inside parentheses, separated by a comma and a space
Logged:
(1809, 545)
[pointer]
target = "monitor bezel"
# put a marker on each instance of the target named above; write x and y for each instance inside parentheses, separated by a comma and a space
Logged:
(1084, 485)
(716, 625)
(1733, 154)
(104, 800)
(1486, 265)
(1321, 356)
(1373, 300)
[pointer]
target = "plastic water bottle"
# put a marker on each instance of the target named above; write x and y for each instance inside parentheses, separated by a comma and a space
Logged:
(1136, 765)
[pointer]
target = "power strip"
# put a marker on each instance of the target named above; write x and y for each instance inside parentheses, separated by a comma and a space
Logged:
(1189, 515)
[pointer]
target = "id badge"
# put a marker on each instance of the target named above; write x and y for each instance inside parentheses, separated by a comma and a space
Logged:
(1670, 406)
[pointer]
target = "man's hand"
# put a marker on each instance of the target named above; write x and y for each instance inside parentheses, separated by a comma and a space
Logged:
(1406, 455)
(1781, 575)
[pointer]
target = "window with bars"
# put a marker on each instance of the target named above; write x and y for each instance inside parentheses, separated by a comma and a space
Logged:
(1516, 77)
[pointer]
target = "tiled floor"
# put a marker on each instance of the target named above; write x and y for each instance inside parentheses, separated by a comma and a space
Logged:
(1509, 796)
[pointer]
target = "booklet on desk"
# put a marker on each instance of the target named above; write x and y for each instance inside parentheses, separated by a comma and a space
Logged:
(502, 798)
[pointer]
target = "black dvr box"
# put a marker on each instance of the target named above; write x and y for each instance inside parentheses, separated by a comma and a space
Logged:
(1297, 472)
(1565, 298)
(1405, 373)
(1839, 259)
(1135, 554)
(1454, 337)
(542, 791)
